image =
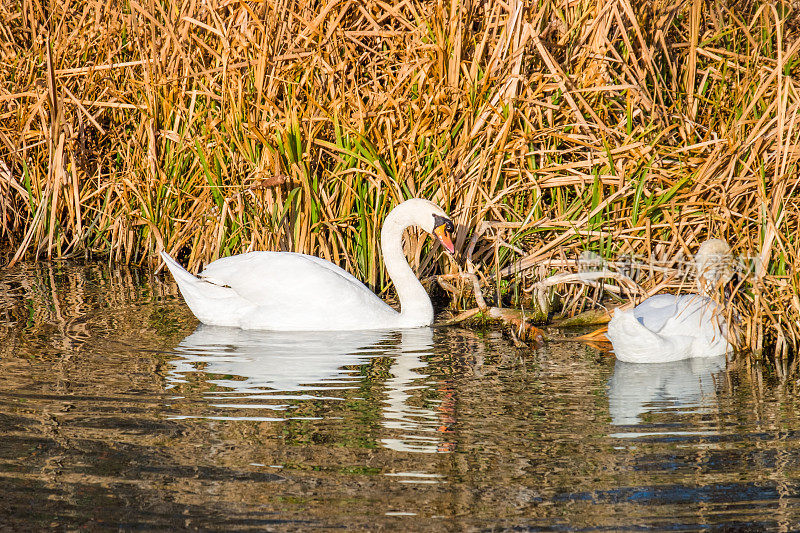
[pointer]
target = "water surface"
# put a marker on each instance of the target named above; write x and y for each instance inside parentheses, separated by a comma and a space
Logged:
(118, 411)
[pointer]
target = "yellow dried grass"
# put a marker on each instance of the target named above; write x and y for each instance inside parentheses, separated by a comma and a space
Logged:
(214, 128)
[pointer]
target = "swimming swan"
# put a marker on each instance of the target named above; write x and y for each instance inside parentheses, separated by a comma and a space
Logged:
(669, 327)
(287, 291)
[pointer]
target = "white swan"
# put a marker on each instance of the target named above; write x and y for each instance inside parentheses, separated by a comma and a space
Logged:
(286, 291)
(669, 327)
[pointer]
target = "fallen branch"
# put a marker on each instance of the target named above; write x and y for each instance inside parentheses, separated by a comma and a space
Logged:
(521, 330)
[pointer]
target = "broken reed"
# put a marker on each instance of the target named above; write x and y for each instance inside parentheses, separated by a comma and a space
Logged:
(213, 128)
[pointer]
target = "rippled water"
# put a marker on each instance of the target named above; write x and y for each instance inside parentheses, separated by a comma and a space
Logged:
(118, 411)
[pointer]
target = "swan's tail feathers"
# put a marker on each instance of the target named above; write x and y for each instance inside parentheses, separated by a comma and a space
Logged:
(631, 340)
(213, 304)
(181, 275)
(193, 287)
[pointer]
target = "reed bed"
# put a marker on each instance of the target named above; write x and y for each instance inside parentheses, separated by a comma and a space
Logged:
(631, 130)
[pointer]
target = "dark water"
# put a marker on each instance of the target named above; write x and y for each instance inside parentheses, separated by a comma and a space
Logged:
(117, 412)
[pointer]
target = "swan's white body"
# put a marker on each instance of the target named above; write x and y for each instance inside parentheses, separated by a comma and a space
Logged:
(669, 327)
(285, 291)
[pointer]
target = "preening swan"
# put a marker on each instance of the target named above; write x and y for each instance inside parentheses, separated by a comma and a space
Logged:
(669, 327)
(286, 291)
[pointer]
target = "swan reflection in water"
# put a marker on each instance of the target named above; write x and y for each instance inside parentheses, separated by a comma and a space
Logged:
(254, 369)
(268, 361)
(417, 429)
(635, 388)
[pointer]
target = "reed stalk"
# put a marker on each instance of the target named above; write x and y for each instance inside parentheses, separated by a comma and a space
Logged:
(629, 129)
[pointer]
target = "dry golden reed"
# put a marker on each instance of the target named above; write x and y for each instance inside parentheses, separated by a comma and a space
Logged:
(633, 130)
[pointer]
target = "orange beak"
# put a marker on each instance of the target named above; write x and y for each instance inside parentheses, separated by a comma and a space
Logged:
(444, 237)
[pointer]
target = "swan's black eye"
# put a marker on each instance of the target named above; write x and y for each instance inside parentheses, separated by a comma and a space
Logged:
(439, 221)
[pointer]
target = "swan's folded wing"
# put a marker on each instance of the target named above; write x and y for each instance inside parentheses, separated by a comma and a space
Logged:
(654, 312)
(285, 281)
(635, 343)
(692, 316)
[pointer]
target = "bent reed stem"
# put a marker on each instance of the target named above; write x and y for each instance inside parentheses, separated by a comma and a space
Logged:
(208, 129)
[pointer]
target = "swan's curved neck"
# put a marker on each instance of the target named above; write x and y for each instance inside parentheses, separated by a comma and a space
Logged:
(415, 304)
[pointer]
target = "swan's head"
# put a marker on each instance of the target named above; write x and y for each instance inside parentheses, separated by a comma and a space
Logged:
(443, 230)
(428, 216)
(715, 265)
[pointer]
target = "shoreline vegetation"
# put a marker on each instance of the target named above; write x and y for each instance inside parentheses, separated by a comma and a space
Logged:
(557, 135)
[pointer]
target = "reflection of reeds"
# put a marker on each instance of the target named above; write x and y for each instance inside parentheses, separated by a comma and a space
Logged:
(62, 308)
(213, 128)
